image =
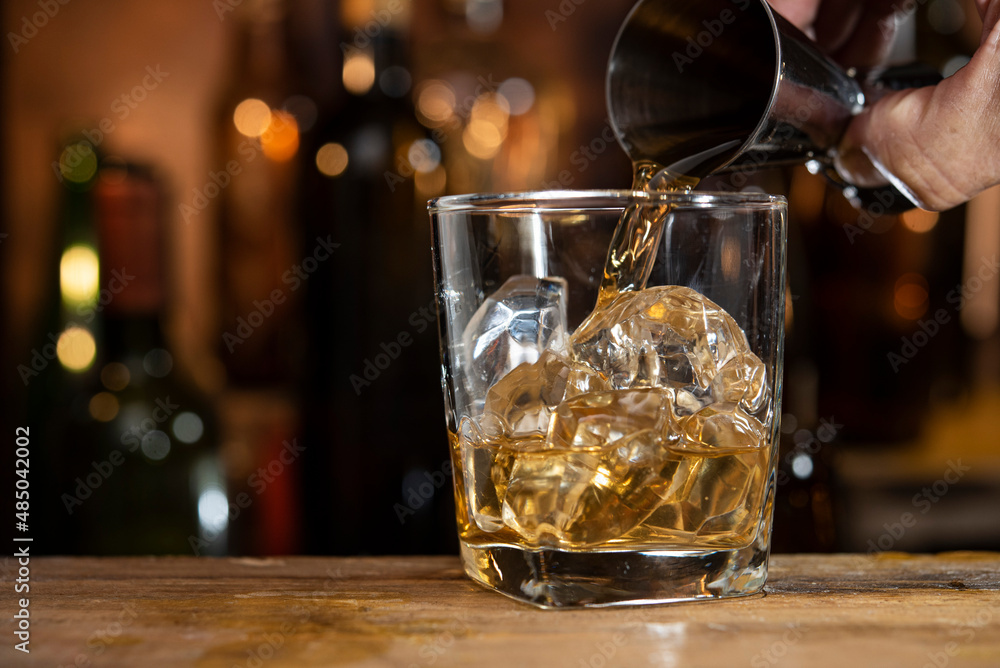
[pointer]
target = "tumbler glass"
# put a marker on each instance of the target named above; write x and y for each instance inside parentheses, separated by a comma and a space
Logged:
(621, 454)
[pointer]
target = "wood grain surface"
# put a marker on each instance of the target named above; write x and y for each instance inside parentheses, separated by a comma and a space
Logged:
(831, 610)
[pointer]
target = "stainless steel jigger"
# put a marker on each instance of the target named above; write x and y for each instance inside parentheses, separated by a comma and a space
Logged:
(714, 86)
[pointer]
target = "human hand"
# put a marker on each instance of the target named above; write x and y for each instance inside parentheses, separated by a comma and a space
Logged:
(941, 144)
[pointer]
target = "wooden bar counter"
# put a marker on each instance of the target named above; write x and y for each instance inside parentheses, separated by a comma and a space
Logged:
(848, 611)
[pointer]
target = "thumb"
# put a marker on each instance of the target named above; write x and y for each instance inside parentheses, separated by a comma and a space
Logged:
(939, 144)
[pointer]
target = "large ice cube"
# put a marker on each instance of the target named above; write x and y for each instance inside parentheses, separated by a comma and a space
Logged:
(742, 380)
(721, 425)
(479, 445)
(713, 496)
(599, 474)
(525, 316)
(601, 418)
(523, 400)
(672, 337)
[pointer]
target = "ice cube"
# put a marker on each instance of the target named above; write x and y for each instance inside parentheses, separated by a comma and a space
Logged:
(723, 426)
(669, 336)
(523, 400)
(479, 445)
(525, 316)
(715, 495)
(597, 419)
(598, 475)
(742, 380)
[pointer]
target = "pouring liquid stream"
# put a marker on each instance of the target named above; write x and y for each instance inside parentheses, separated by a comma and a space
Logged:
(632, 252)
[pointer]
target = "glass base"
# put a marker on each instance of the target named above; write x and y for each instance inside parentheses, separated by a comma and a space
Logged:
(551, 578)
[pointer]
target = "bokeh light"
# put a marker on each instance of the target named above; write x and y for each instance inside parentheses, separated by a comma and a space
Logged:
(115, 376)
(424, 155)
(155, 445)
(281, 139)
(484, 16)
(188, 427)
(435, 103)
(103, 406)
(252, 117)
(395, 81)
(910, 297)
(487, 126)
(945, 16)
(213, 510)
(518, 93)
(79, 275)
(359, 72)
(331, 159)
(76, 348)
(482, 139)
(78, 162)
(493, 109)
(158, 362)
(919, 221)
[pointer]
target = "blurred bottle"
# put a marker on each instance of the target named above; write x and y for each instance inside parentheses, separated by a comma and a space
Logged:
(259, 126)
(56, 384)
(130, 448)
(265, 114)
(371, 397)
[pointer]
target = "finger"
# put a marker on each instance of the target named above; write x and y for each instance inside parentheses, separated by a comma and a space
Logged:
(800, 13)
(856, 33)
(989, 11)
(870, 39)
(836, 21)
(941, 142)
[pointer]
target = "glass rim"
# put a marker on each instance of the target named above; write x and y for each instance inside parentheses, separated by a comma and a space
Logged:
(551, 200)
